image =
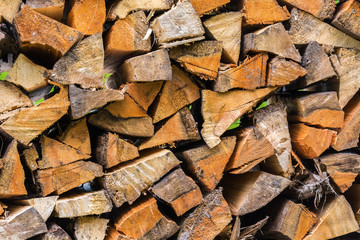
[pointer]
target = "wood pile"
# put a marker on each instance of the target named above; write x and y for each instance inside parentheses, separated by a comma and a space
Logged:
(179, 119)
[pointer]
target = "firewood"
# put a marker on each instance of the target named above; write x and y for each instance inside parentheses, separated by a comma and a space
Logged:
(348, 135)
(273, 39)
(8, 9)
(353, 196)
(309, 142)
(12, 175)
(112, 234)
(251, 148)
(144, 93)
(44, 34)
(56, 154)
(87, 16)
(164, 229)
(27, 74)
(83, 64)
(153, 66)
(207, 165)
(123, 8)
(112, 150)
(263, 12)
(3, 208)
(83, 101)
(335, 211)
(124, 117)
(281, 72)
(250, 191)
(249, 75)
(217, 27)
(23, 222)
(179, 23)
(322, 9)
(55, 232)
(179, 191)
(203, 7)
(126, 182)
(31, 156)
(208, 220)
(77, 135)
(175, 94)
(7, 46)
(271, 121)
(12, 97)
(346, 18)
(306, 28)
(64, 178)
(179, 127)
(220, 110)
(343, 168)
(44, 206)
(200, 58)
(53, 8)
(90, 228)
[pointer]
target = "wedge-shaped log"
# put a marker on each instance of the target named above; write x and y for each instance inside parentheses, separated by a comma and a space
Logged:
(112, 150)
(31, 156)
(250, 191)
(322, 9)
(202, 7)
(126, 182)
(353, 196)
(346, 19)
(64, 178)
(44, 205)
(200, 58)
(271, 121)
(342, 167)
(82, 65)
(250, 74)
(55, 232)
(273, 39)
(208, 220)
(53, 8)
(23, 222)
(217, 27)
(90, 228)
(164, 229)
(175, 94)
(281, 72)
(144, 93)
(260, 12)
(179, 23)
(179, 191)
(306, 28)
(335, 211)
(220, 110)
(8, 9)
(207, 164)
(83, 101)
(12, 97)
(251, 148)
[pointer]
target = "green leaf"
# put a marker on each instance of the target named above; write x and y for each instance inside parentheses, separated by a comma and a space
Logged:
(337, 1)
(52, 89)
(264, 104)
(39, 101)
(190, 107)
(235, 124)
(3, 75)
(106, 76)
(301, 90)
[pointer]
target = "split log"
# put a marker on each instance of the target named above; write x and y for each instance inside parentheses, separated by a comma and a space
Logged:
(250, 74)
(263, 12)
(175, 94)
(64, 178)
(353, 196)
(348, 135)
(306, 28)
(220, 110)
(346, 18)
(177, 24)
(200, 58)
(38, 33)
(126, 182)
(271, 121)
(31, 122)
(112, 234)
(309, 142)
(8, 9)
(281, 72)
(31, 156)
(207, 165)
(164, 229)
(55, 232)
(83, 64)
(273, 39)
(179, 127)
(251, 148)
(144, 93)
(112, 150)
(23, 222)
(322, 9)
(217, 27)
(12, 97)
(153, 66)
(90, 228)
(27, 74)
(334, 212)
(203, 7)
(83, 101)
(53, 9)
(248, 192)
(87, 16)
(343, 168)
(208, 220)
(179, 191)
(12, 175)
(44, 206)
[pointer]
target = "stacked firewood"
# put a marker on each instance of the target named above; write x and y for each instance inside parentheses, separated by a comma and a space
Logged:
(188, 119)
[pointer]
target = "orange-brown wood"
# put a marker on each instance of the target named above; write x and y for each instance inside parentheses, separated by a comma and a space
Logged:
(144, 93)
(346, 18)
(51, 8)
(202, 7)
(8, 9)
(31, 156)
(112, 234)
(12, 98)
(321, 9)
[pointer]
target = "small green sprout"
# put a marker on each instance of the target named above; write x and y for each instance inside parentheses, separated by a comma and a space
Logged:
(235, 124)
(262, 105)
(3, 75)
